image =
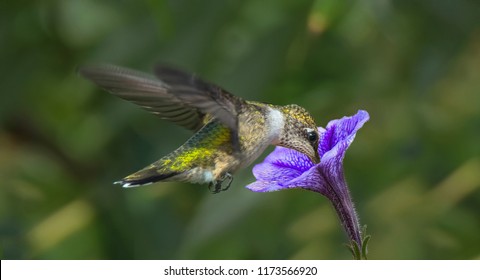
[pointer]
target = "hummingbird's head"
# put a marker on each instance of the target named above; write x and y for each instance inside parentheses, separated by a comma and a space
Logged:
(300, 132)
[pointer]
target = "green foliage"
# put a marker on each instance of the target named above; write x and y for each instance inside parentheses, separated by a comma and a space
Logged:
(360, 252)
(412, 171)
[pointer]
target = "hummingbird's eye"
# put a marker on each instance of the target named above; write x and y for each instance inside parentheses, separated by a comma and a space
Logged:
(312, 136)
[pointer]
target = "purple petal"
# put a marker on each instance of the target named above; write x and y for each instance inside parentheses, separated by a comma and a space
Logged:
(340, 130)
(270, 172)
(340, 134)
(302, 180)
(288, 158)
(310, 180)
(263, 186)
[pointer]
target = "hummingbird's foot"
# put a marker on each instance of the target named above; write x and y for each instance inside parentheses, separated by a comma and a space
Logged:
(216, 186)
(229, 178)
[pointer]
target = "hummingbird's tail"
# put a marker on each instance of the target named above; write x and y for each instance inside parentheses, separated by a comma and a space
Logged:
(143, 177)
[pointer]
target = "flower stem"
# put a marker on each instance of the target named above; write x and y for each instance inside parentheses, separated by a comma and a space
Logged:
(343, 205)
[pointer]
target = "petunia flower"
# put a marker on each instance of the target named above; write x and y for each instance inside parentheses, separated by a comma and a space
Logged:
(287, 169)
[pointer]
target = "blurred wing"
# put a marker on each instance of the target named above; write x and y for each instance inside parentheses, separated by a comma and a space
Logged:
(208, 98)
(147, 92)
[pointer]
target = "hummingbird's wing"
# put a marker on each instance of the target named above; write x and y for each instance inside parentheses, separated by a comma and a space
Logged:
(208, 98)
(147, 91)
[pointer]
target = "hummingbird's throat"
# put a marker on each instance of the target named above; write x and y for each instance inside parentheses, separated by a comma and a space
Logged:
(276, 124)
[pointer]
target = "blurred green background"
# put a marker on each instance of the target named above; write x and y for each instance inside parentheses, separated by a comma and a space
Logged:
(413, 170)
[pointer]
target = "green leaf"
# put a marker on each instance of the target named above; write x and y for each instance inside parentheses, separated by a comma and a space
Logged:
(365, 241)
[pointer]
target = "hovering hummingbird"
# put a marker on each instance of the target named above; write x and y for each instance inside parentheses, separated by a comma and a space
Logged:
(229, 132)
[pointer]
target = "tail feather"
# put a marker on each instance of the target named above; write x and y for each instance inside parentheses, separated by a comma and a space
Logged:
(144, 177)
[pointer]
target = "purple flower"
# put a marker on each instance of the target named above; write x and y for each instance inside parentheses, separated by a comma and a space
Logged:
(287, 169)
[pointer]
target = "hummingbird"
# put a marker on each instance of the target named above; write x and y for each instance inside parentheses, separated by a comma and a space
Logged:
(229, 132)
